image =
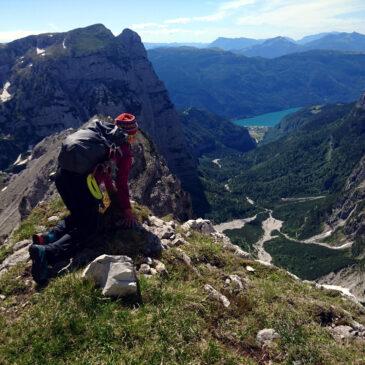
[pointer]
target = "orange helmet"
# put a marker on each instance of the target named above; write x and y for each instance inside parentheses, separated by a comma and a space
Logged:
(128, 123)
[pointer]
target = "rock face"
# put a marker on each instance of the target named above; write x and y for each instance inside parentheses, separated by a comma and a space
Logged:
(114, 274)
(52, 82)
(349, 211)
(151, 183)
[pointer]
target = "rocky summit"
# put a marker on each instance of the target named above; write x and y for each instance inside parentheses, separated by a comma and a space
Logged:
(56, 81)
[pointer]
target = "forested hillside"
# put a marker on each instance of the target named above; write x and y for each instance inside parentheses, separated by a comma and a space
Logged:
(237, 86)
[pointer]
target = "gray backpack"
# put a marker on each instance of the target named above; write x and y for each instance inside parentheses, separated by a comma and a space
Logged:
(83, 150)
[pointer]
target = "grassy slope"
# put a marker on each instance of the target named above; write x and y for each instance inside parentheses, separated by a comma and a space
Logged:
(70, 322)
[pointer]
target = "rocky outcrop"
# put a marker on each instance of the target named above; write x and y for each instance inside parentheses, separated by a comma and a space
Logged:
(349, 212)
(58, 81)
(352, 278)
(151, 183)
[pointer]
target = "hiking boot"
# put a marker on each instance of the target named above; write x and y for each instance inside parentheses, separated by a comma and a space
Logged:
(39, 264)
(43, 239)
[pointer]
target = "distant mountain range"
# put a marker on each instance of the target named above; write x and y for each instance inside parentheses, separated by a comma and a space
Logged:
(236, 86)
(280, 46)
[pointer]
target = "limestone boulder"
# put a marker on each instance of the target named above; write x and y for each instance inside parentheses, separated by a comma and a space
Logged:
(115, 275)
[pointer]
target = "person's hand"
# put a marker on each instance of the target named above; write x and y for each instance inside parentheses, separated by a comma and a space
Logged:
(128, 219)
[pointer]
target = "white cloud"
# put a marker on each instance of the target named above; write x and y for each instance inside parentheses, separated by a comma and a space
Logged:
(233, 5)
(178, 21)
(301, 17)
(9, 36)
(141, 26)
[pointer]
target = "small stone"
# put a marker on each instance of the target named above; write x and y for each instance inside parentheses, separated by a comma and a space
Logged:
(172, 224)
(21, 244)
(153, 271)
(2, 297)
(54, 218)
(148, 261)
(160, 267)
(145, 269)
(178, 241)
(156, 222)
(234, 281)
(250, 268)
(266, 336)
(216, 295)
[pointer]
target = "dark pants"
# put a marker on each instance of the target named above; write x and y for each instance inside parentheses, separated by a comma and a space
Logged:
(76, 230)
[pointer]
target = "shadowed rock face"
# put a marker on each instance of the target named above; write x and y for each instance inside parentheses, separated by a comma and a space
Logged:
(52, 82)
(151, 183)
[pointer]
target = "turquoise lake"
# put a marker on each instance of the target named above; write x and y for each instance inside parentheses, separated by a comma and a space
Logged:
(265, 120)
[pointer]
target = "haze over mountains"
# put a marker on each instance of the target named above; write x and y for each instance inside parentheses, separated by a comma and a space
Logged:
(280, 46)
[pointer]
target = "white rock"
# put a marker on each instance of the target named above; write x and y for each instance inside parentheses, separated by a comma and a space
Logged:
(156, 222)
(202, 225)
(2, 297)
(159, 266)
(342, 332)
(178, 241)
(265, 336)
(250, 268)
(21, 244)
(235, 281)
(145, 269)
(54, 218)
(153, 271)
(114, 274)
(216, 295)
(15, 258)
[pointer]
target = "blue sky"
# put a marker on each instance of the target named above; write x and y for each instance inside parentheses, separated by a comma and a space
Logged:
(183, 21)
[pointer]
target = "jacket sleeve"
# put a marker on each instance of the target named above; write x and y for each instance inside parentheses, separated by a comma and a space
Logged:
(124, 164)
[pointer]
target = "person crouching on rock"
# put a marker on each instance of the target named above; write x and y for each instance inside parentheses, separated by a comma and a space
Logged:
(97, 155)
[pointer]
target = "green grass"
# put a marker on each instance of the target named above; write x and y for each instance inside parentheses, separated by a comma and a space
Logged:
(308, 261)
(70, 322)
(38, 217)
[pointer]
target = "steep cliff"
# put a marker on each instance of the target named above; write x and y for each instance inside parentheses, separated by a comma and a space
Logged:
(151, 183)
(52, 82)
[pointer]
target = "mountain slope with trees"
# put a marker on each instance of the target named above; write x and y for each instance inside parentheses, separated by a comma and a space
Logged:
(236, 86)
